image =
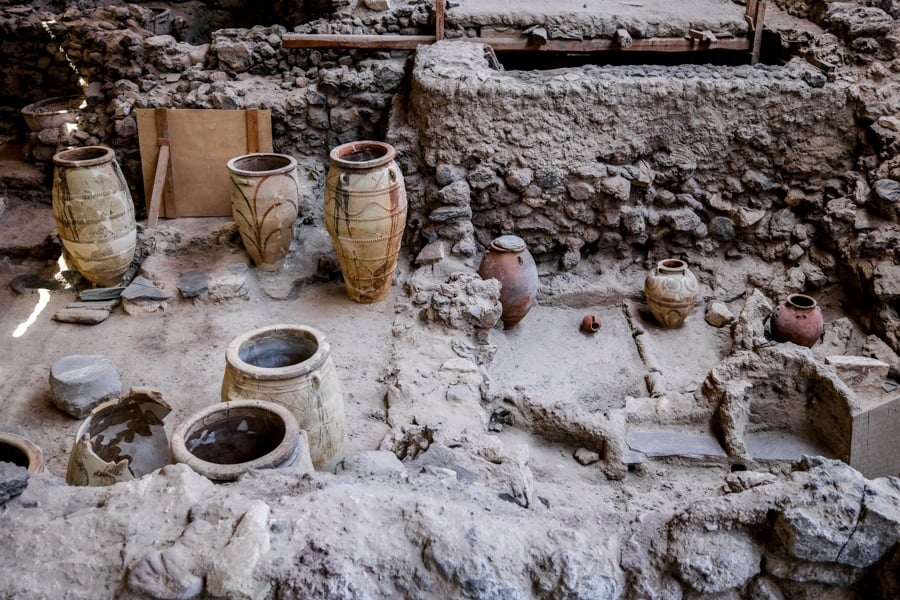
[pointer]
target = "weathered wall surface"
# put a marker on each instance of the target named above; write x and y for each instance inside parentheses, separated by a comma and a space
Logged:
(622, 158)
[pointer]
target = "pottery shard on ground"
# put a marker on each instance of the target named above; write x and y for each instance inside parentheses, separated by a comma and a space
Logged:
(13, 481)
(80, 382)
(718, 314)
(193, 283)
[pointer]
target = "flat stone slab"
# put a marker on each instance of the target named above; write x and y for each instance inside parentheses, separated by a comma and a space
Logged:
(80, 382)
(83, 316)
(673, 443)
(780, 446)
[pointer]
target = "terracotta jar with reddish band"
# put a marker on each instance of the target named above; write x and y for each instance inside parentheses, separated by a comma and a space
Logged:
(509, 262)
(365, 215)
(799, 320)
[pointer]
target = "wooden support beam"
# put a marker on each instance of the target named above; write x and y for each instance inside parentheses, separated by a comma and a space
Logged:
(439, 19)
(759, 18)
(521, 44)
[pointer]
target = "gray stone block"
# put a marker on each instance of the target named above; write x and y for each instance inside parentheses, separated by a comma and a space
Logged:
(80, 382)
(13, 481)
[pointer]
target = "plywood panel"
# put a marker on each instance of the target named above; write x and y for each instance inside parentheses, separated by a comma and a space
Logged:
(200, 142)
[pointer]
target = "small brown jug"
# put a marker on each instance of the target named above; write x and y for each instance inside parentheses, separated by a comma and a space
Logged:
(509, 262)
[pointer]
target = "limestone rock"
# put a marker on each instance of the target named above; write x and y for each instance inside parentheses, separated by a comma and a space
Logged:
(457, 193)
(166, 575)
(864, 375)
(379, 5)
(715, 562)
(377, 463)
(432, 253)
(718, 315)
(13, 481)
(446, 175)
(586, 457)
(232, 573)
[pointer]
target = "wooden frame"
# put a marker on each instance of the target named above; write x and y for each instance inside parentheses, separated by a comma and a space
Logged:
(183, 156)
(754, 14)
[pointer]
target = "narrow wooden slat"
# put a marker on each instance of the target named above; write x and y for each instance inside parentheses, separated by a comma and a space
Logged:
(159, 182)
(522, 44)
(168, 194)
(355, 42)
(759, 20)
(252, 130)
(439, 19)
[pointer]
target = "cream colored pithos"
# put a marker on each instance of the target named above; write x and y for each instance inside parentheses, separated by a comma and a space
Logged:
(291, 365)
(365, 215)
(264, 204)
(94, 213)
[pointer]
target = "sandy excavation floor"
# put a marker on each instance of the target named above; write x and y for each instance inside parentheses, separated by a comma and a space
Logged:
(181, 351)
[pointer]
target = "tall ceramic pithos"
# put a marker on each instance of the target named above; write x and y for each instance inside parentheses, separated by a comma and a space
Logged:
(264, 202)
(94, 213)
(365, 215)
(508, 261)
(671, 291)
(291, 365)
(799, 320)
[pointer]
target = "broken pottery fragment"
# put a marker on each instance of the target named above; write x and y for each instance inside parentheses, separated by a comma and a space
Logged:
(224, 441)
(121, 439)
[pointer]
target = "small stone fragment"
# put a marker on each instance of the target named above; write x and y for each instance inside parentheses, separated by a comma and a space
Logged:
(586, 457)
(372, 463)
(86, 316)
(193, 283)
(142, 288)
(379, 5)
(718, 315)
(80, 382)
(432, 253)
(13, 481)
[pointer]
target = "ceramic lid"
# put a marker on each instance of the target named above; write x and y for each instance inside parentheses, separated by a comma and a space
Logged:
(509, 243)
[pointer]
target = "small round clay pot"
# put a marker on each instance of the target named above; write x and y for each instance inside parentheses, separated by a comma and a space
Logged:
(17, 449)
(224, 441)
(591, 324)
(799, 320)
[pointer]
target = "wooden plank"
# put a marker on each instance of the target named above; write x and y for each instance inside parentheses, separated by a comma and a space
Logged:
(499, 44)
(252, 130)
(159, 182)
(200, 144)
(162, 136)
(355, 42)
(439, 19)
(759, 21)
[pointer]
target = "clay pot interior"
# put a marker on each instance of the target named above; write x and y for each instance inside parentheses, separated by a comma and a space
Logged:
(52, 112)
(90, 153)
(277, 350)
(21, 452)
(13, 454)
(131, 428)
(235, 437)
(260, 163)
(365, 154)
(801, 301)
(672, 265)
